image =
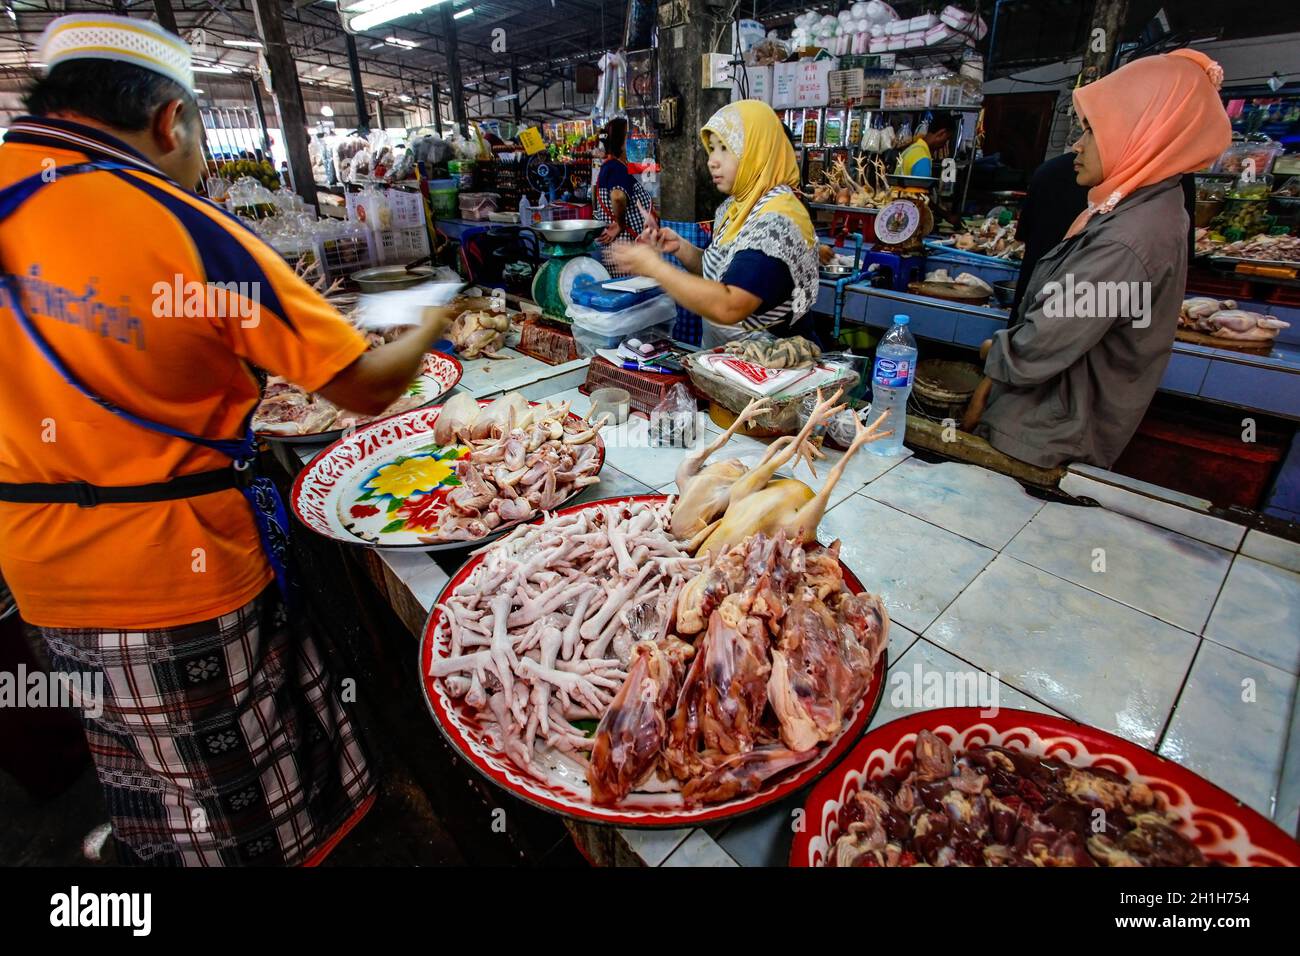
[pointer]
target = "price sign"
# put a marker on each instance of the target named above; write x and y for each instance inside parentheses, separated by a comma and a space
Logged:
(812, 82)
(532, 140)
(784, 76)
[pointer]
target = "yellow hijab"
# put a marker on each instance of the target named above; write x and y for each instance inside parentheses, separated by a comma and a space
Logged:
(754, 133)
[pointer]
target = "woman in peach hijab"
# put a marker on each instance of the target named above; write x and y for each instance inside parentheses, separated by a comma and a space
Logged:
(1073, 381)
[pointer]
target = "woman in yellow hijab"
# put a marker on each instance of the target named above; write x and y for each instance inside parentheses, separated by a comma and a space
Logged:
(760, 271)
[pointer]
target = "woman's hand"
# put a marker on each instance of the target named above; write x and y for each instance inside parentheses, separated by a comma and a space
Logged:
(662, 240)
(978, 402)
(636, 257)
(984, 349)
(611, 233)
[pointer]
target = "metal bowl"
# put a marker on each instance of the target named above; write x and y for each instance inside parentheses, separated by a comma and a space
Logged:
(835, 271)
(388, 278)
(1005, 291)
(569, 230)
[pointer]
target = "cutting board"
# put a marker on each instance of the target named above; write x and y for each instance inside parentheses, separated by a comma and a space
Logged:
(1215, 342)
(950, 291)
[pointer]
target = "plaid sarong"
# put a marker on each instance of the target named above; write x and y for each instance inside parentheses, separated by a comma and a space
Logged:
(222, 743)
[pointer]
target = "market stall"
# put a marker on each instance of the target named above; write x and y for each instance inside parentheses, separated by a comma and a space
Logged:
(597, 589)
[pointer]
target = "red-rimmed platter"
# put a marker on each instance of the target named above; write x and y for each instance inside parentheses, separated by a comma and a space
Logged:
(1224, 829)
(439, 374)
(567, 794)
(380, 486)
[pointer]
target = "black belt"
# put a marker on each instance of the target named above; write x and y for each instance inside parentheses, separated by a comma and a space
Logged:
(88, 496)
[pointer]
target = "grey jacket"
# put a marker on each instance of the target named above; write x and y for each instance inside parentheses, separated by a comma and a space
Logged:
(1073, 382)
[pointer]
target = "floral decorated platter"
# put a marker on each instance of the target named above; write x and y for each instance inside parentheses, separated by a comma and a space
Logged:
(439, 374)
(385, 485)
(1225, 830)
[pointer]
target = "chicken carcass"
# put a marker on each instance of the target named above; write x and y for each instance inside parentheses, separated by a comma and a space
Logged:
(632, 732)
(1195, 309)
(478, 333)
(824, 663)
(703, 491)
(1243, 326)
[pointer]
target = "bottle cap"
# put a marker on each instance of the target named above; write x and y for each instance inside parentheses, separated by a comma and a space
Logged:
(901, 319)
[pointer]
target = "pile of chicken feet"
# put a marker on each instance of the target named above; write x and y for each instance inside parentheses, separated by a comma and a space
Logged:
(542, 632)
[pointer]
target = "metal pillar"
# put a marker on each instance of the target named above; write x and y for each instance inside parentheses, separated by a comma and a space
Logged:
(453, 70)
(517, 106)
(358, 91)
(261, 117)
(269, 17)
(437, 105)
(166, 18)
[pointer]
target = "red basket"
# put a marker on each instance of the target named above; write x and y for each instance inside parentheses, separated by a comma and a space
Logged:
(646, 388)
(547, 341)
(570, 210)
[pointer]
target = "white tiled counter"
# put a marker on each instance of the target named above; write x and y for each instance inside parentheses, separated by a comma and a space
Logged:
(1143, 617)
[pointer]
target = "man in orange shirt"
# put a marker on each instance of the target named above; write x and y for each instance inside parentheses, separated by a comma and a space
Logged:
(132, 532)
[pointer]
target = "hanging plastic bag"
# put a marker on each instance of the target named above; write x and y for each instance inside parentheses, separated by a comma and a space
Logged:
(613, 69)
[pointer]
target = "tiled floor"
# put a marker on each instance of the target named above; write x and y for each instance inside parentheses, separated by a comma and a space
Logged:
(1182, 646)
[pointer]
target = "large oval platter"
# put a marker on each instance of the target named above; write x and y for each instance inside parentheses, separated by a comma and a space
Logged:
(565, 791)
(380, 486)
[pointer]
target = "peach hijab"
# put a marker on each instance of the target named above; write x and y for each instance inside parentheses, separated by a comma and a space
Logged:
(1153, 118)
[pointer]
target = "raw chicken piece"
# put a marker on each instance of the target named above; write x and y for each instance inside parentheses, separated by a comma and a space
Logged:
(743, 773)
(703, 493)
(1241, 323)
(631, 733)
(456, 419)
(823, 665)
(479, 333)
(786, 505)
(725, 691)
(1193, 310)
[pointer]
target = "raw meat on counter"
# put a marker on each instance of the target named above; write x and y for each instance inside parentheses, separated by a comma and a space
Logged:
(1276, 248)
(1224, 320)
(782, 654)
(753, 502)
(522, 459)
(990, 238)
(287, 410)
(794, 352)
(547, 627)
(479, 332)
(992, 806)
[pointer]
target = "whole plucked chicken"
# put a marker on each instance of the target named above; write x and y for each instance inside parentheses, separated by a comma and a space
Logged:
(1222, 319)
(476, 333)
(755, 502)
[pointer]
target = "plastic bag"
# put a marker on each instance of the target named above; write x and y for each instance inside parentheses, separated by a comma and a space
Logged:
(674, 422)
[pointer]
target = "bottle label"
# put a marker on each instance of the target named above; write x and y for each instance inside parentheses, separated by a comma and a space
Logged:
(892, 373)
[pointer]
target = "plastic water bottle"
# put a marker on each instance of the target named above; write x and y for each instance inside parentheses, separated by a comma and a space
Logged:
(891, 384)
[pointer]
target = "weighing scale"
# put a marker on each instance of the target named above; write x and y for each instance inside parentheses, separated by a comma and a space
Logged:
(906, 219)
(570, 252)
